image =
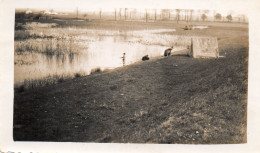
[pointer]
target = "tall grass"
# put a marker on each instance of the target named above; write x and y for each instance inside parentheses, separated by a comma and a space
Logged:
(45, 81)
(49, 46)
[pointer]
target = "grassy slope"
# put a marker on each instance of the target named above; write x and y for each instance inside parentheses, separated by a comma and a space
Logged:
(167, 100)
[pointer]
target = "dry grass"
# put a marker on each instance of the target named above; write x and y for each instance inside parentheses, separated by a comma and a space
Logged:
(28, 84)
(47, 46)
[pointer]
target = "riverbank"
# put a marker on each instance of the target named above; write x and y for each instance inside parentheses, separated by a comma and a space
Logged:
(176, 99)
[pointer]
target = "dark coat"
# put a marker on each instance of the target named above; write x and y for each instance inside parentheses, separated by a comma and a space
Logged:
(167, 52)
(145, 58)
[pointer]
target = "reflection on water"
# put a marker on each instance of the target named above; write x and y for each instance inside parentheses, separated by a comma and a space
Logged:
(98, 50)
(199, 27)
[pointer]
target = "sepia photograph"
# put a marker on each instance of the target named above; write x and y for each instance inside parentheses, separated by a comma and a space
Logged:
(150, 74)
(130, 75)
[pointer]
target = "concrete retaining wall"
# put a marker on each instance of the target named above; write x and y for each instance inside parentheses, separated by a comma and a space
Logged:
(204, 47)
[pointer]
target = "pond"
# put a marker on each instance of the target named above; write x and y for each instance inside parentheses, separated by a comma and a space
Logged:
(55, 53)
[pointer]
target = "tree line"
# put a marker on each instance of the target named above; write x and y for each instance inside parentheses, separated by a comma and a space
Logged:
(166, 14)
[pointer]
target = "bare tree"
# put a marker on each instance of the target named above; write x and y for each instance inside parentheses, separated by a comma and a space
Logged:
(203, 16)
(77, 12)
(185, 15)
(100, 14)
(115, 14)
(177, 15)
(155, 14)
(146, 15)
(120, 14)
(125, 12)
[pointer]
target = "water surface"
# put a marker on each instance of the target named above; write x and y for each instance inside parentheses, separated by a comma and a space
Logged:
(67, 51)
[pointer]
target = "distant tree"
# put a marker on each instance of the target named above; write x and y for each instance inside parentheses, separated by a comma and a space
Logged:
(177, 15)
(120, 14)
(100, 13)
(115, 14)
(125, 13)
(155, 14)
(218, 16)
(203, 16)
(77, 13)
(229, 17)
(146, 16)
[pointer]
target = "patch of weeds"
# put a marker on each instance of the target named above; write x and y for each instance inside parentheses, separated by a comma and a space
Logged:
(105, 139)
(60, 80)
(130, 80)
(96, 70)
(140, 113)
(105, 106)
(114, 87)
(20, 89)
(21, 34)
(77, 75)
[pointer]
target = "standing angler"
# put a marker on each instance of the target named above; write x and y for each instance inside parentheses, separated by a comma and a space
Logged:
(167, 52)
(123, 58)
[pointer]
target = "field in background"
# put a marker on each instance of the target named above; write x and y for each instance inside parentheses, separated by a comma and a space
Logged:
(165, 100)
